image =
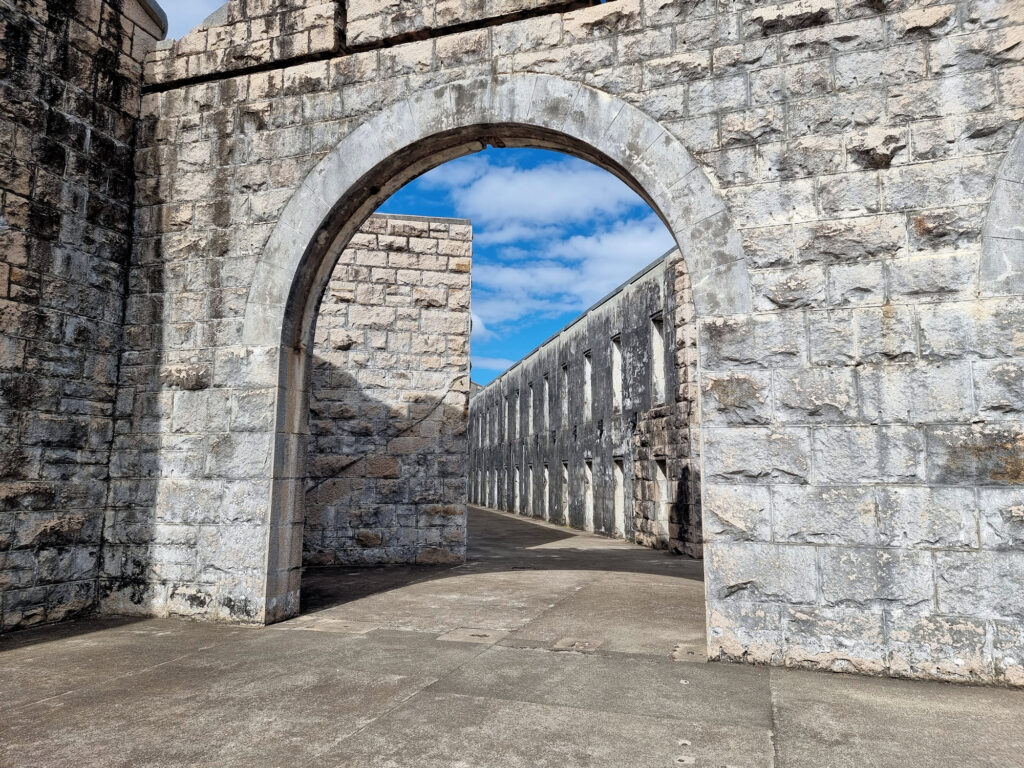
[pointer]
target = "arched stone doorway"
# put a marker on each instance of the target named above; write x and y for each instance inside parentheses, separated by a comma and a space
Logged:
(406, 140)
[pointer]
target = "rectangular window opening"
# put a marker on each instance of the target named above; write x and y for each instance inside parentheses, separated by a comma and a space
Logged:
(619, 498)
(588, 385)
(565, 494)
(617, 373)
(588, 496)
(547, 496)
(529, 491)
(529, 413)
(657, 359)
(564, 395)
(547, 410)
(661, 511)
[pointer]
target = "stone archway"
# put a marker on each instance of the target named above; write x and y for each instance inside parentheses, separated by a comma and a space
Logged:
(400, 143)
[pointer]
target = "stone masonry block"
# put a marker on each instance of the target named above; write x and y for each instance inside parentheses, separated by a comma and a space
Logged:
(917, 393)
(981, 584)
(736, 513)
(875, 578)
(862, 455)
(814, 515)
(978, 329)
(815, 396)
(922, 517)
(761, 573)
(838, 639)
(944, 647)
(983, 454)
(754, 341)
(1002, 517)
(737, 398)
(752, 454)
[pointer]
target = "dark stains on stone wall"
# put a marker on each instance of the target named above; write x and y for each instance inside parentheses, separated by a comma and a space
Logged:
(69, 96)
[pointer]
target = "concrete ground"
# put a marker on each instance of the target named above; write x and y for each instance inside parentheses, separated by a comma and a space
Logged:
(549, 648)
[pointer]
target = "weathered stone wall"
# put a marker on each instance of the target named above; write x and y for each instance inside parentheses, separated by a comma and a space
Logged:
(247, 34)
(827, 170)
(566, 435)
(372, 22)
(70, 77)
(388, 449)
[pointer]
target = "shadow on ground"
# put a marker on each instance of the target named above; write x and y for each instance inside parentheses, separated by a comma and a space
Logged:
(498, 542)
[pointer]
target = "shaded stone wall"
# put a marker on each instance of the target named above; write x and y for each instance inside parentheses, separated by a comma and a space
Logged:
(70, 76)
(390, 379)
(567, 444)
(827, 172)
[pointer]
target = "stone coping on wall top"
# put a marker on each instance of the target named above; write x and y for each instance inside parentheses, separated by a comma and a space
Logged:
(156, 13)
(599, 303)
(411, 217)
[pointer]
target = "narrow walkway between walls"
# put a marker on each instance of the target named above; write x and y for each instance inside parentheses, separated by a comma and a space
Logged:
(526, 584)
(550, 648)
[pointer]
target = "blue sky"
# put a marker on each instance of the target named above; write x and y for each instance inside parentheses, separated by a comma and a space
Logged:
(552, 234)
(185, 15)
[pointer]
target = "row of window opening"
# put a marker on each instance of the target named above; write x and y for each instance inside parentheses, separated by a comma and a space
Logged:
(486, 427)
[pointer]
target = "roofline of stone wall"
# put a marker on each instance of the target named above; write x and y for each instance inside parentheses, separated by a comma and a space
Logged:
(411, 217)
(156, 13)
(600, 303)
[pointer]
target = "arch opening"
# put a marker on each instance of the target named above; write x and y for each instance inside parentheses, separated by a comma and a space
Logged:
(402, 143)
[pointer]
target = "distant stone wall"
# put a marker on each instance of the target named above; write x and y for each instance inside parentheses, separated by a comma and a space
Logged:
(546, 443)
(388, 449)
(70, 77)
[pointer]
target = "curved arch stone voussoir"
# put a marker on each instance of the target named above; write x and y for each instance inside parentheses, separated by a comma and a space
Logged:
(633, 144)
(1002, 259)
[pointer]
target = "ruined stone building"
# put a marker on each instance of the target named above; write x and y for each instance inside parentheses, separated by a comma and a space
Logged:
(588, 431)
(843, 179)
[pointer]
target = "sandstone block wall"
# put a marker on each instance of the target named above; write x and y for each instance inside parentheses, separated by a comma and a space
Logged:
(388, 407)
(247, 34)
(70, 77)
(372, 22)
(545, 443)
(833, 229)
(840, 178)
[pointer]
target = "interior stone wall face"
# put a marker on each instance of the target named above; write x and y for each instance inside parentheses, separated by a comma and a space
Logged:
(637, 432)
(70, 76)
(389, 398)
(830, 173)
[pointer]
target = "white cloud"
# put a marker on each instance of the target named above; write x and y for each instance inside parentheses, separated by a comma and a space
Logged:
(509, 203)
(480, 330)
(515, 232)
(492, 363)
(550, 239)
(568, 275)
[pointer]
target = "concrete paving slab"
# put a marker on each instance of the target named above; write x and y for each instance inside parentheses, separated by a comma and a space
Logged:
(503, 600)
(843, 721)
(627, 613)
(384, 670)
(471, 635)
(445, 730)
(50, 661)
(627, 685)
(278, 698)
